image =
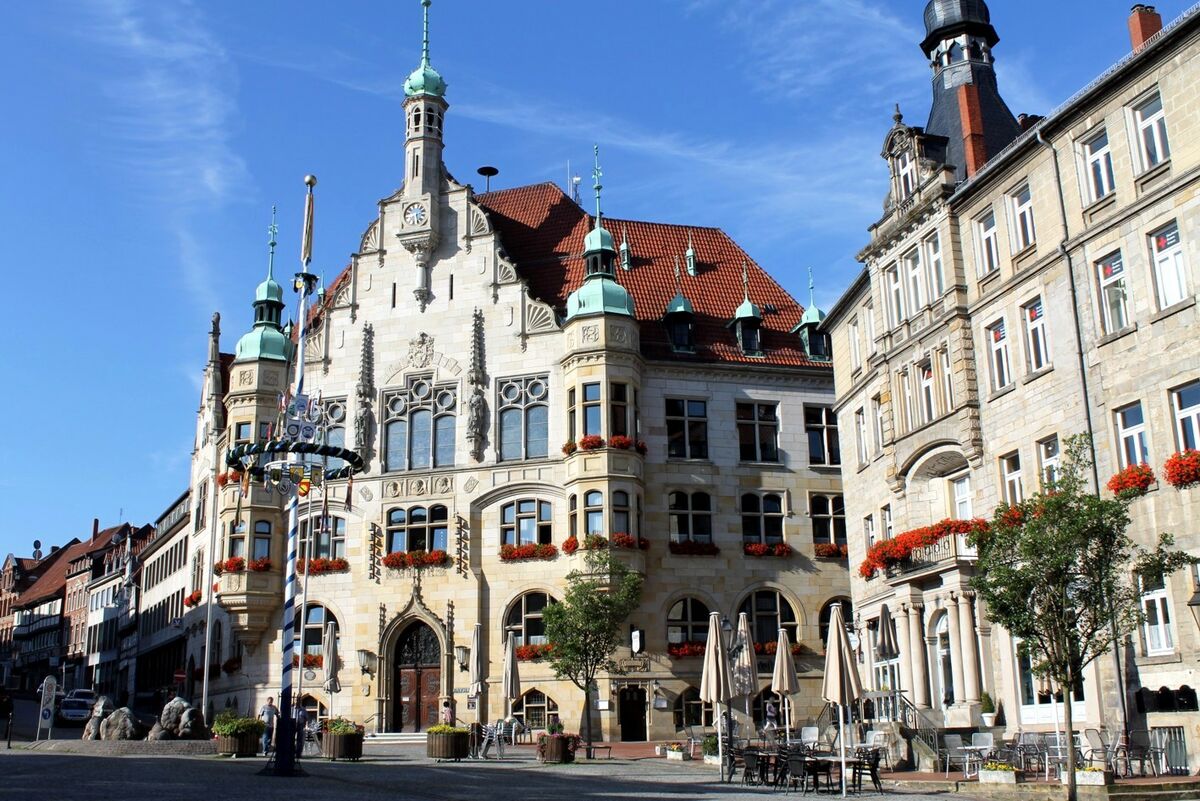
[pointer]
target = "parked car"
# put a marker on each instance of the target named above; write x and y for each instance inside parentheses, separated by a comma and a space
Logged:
(83, 695)
(74, 710)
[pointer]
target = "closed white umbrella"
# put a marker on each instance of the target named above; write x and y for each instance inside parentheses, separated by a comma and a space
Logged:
(329, 659)
(841, 685)
(511, 680)
(476, 667)
(745, 666)
(714, 680)
(783, 679)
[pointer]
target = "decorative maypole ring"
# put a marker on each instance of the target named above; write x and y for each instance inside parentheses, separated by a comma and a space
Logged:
(243, 458)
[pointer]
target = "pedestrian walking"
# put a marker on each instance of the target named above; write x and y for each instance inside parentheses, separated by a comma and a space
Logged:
(301, 719)
(268, 714)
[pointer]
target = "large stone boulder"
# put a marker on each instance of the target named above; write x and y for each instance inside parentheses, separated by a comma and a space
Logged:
(191, 726)
(159, 733)
(100, 710)
(122, 724)
(172, 714)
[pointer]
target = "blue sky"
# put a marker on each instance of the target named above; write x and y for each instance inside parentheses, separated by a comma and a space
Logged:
(145, 141)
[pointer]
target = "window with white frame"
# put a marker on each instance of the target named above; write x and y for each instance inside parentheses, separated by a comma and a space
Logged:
(1114, 310)
(326, 535)
(1131, 435)
(1170, 275)
(916, 281)
(1010, 478)
(988, 243)
(1048, 458)
(885, 517)
(1024, 232)
(877, 422)
(895, 289)
(868, 317)
(947, 380)
(1152, 131)
(1037, 349)
(1185, 402)
(1156, 610)
(933, 266)
(820, 425)
(869, 530)
(910, 404)
(855, 352)
(526, 521)
(928, 395)
(906, 173)
(960, 493)
(1098, 156)
(997, 337)
(860, 430)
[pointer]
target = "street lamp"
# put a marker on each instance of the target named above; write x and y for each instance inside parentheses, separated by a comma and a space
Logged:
(367, 661)
(462, 655)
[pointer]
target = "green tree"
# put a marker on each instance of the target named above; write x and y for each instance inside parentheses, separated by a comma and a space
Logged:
(1059, 572)
(585, 628)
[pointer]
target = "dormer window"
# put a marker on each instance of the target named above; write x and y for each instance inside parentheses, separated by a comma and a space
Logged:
(906, 173)
(749, 336)
(679, 328)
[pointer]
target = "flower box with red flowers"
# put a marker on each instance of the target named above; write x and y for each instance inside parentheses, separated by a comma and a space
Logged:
(234, 564)
(571, 545)
(620, 442)
(620, 539)
(569, 447)
(781, 549)
(531, 653)
(888, 553)
(693, 548)
(435, 558)
(310, 661)
(1131, 482)
(685, 650)
(1182, 470)
(830, 550)
(262, 565)
(320, 566)
(521, 553)
(592, 442)
(193, 599)
(769, 648)
(594, 542)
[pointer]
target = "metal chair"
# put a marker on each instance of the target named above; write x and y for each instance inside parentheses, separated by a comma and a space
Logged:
(1142, 748)
(869, 764)
(493, 734)
(809, 737)
(954, 752)
(694, 739)
(799, 770)
(1099, 749)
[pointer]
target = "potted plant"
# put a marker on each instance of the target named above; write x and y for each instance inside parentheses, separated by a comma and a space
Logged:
(620, 442)
(1131, 481)
(1090, 776)
(999, 773)
(341, 739)
(987, 710)
(591, 442)
(708, 747)
(236, 735)
(444, 741)
(1182, 469)
(555, 747)
(677, 751)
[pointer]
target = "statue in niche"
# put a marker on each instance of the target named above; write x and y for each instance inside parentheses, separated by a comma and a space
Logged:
(476, 417)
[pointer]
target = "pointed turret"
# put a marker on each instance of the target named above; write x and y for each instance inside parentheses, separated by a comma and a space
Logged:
(600, 293)
(679, 317)
(267, 340)
(816, 344)
(747, 319)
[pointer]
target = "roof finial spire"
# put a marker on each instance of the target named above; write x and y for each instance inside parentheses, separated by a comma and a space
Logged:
(425, 40)
(812, 301)
(897, 116)
(272, 230)
(596, 175)
(678, 280)
(745, 280)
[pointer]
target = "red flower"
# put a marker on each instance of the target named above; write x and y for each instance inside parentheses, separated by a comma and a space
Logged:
(594, 542)
(591, 442)
(1182, 470)
(529, 653)
(756, 549)
(520, 553)
(571, 545)
(620, 442)
(1131, 482)
(320, 565)
(234, 564)
(640, 447)
(693, 548)
(622, 540)
(420, 559)
(569, 447)
(886, 553)
(193, 599)
(827, 550)
(259, 565)
(396, 560)
(685, 650)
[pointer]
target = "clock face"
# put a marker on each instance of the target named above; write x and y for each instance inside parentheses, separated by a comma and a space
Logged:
(415, 215)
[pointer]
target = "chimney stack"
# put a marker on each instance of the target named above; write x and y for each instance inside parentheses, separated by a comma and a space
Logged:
(971, 118)
(1144, 22)
(95, 528)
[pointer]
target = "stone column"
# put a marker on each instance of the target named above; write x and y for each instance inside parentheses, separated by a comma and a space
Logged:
(906, 667)
(916, 638)
(956, 649)
(970, 658)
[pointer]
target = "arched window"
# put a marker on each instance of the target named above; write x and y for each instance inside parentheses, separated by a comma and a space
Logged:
(827, 610)
(691, 516)
(770, 611)
(327, 536)
(416, 120)
(526, 521)
(310, 633)
(593, 513)
(828, 513)
(524, 618)
(687, 621)
(762, 518)
(335, 432)
(419, 425)
(418, 529)
(262, 539)
(620, 513)
(535, 709)
(691, 711)
(524, 418)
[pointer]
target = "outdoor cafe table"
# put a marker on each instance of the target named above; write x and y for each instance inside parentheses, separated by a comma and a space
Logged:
(836, 760)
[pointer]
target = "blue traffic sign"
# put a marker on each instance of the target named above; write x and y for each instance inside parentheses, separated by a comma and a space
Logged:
(45, 714)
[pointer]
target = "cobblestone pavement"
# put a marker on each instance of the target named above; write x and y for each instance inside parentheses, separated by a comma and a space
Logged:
(397, 774)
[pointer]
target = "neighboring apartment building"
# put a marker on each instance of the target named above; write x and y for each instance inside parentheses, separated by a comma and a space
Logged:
(1030, 279)
(471, 350)
(16, 576)
(112, 615)
(161, 572)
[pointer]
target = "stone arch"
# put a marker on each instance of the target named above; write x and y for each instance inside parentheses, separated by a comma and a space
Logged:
(413, 612)
(925, 462)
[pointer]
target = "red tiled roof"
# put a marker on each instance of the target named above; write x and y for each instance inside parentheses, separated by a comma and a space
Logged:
(542, 231)
(54, 579)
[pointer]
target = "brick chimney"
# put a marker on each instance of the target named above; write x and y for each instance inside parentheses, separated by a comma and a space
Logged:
(1144, 22)
(971, 118)
(95, 528)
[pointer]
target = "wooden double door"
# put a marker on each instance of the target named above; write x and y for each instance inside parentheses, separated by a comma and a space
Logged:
(417, 681)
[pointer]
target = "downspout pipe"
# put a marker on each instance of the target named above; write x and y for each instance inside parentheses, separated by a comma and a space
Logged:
(1087, 404)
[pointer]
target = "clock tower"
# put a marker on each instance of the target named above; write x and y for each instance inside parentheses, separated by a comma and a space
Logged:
(424, 110)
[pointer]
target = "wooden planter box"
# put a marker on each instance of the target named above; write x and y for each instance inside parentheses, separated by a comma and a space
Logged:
(553, 750)
(448, 746)
(342, 746)
(1000, 777)
(1089, 778)
(242, 745)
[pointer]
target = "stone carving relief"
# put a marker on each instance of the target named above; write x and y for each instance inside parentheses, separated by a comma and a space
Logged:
(364, 417)
(420, 351)
(370, 238)
(539, 317)
(245, 378)
(620, 334)
(590, 333)
(477, 411)
(418, 487)
(477, 221)
(506, 272)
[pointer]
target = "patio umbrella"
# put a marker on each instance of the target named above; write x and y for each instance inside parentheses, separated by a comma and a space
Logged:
(783, 680)
(511, 680)
(745, 666)
(841, 685)
(886, 647)
(714, 679)
(476, 666)
(329, 659)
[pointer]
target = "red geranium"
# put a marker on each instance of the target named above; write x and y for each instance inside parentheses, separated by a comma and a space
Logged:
(886, 553)
(520, 553)
(594, 541)
(827, 550)
(756, 549)
(693, 548)
(419, 559)
(193, 599)
(640, 447)
(569, 447)
(591, 442)
(529, 653)
(321, 565)
(571, 545)
(1132, 481)
(620, 442)
(234, 564)
(1182, 470)
(259, 565)
(685, 650)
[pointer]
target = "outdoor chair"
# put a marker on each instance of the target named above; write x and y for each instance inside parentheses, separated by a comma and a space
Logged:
(1031, 753)
(799, 772)
(955, 753)
(868, 764)
(1098, 750)
(750, 769)
(1143, 749)
(493, 734)
(694, 739)
(881, 742)
(983, 739)
(809, 737)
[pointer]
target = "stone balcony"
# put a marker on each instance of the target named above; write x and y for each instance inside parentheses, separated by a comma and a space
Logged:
(944, 555)
(252, 601)
(604, 462)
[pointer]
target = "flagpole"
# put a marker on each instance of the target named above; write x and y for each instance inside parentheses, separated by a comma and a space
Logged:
(285, 750)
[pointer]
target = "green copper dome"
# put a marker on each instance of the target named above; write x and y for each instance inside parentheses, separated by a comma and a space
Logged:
(747, 310)
(264, 341)
(812, 315)
(425, 80)
(599, 294)
(269, 290)
(679, 305)
(598, 239)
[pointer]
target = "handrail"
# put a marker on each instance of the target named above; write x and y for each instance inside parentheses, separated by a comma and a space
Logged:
(918, 724)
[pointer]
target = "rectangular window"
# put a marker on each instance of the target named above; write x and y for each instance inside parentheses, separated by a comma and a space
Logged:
(961, 492)
(947, 380)
(895, 288)
(933, 265)
(916, 281)
(1048, 457)
(885, 515)
(1185, 401)
(241, 433)
(1023, 229)
(1156, 607)
(1131, 435)
(928, 395)
(910, 404)
(1037, 349)
(1010, 476)
(989, 247)
(1098, 156)
(201, 506)
(572, 414)
(877, 422)
(860, 429)
(820, 424)
(855, 352)
(1170, 275)
(618, 408)
(869, 530)
(997, 339)
(1113, 297)
(758, 432)
(687, 429)
(591, 410)
(906, 173)
(828, 513)
(1152, 131)
(868, 316)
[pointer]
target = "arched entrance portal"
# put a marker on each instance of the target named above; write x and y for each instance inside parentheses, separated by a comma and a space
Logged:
(417, 681)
